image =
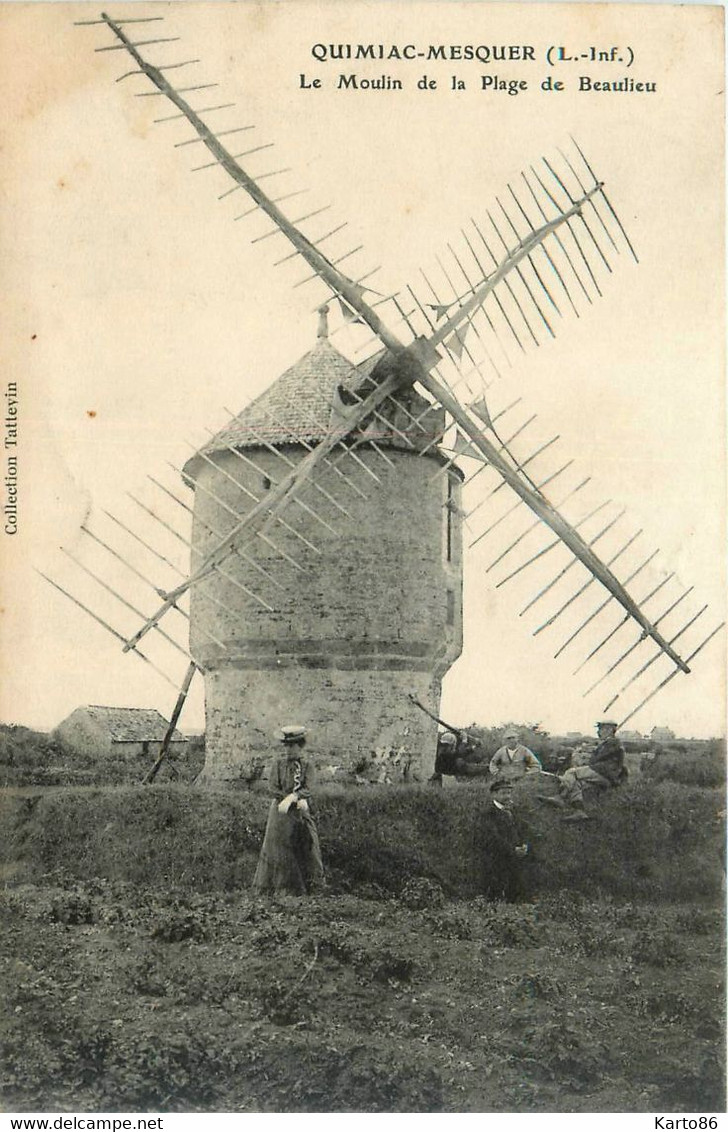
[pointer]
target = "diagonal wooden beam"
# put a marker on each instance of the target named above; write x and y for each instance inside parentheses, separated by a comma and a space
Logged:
(541, 507)
(167, 740)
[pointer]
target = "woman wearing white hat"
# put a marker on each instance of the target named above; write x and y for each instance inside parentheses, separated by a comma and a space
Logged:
(290, 858)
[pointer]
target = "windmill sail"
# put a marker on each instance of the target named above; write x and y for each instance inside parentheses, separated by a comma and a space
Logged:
(505, 282)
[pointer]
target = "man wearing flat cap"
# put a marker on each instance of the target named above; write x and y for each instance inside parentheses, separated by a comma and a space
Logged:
(605, 768)
(511, 761)
(290, 858)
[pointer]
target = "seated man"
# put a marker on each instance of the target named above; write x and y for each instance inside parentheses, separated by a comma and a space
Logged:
(459, 756)
(445, 757)
(605, 768)
(511, 761)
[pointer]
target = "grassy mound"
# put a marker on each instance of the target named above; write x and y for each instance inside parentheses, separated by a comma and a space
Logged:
(658, 841)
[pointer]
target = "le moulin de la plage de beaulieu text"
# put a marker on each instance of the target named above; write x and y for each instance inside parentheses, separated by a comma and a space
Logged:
(510, 81)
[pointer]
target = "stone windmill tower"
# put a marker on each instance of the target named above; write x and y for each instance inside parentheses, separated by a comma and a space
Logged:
(323, 575)
(346, 625)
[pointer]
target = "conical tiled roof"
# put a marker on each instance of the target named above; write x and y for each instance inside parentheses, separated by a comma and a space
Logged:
(295, 408)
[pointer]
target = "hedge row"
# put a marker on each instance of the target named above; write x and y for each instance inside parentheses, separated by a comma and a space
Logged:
(648, 840)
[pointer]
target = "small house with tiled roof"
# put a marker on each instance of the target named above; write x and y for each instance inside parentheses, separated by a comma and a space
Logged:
(106, 731)
(349, 604)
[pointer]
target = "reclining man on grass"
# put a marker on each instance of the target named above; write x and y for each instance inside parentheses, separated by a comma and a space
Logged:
(605, 768)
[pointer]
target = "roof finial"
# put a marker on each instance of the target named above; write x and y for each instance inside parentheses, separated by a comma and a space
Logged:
(323, 325)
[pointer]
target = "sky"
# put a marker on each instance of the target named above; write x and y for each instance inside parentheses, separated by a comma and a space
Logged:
(137, 309)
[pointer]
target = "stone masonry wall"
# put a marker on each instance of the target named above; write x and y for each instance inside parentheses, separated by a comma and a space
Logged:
(358, 618)
(361, 723)
(82, 734)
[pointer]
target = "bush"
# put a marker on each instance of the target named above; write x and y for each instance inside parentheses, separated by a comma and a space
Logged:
(539, 985)
(508, 926)
(667, 1006)
(658, 949)
(74, 907)
(384, 960)
(149, 1072)
(451, 924)
(695, 921)
(692, 763)
(180, 924)
(284, 1003)
(422, 893)
(28, 757)
(147, 977)
(34, 758)
(566, 1054)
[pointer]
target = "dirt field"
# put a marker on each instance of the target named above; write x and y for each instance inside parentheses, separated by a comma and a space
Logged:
(139, 974)
(129, 998)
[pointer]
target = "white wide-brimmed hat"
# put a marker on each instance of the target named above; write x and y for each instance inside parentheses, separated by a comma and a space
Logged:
(291, 733)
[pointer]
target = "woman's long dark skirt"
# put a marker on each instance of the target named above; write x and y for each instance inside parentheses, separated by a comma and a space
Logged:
(290, 858)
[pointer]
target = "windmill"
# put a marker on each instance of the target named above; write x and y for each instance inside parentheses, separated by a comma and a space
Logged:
(282, 487)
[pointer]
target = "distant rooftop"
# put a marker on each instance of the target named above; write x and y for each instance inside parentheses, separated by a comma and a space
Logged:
(132, 725)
